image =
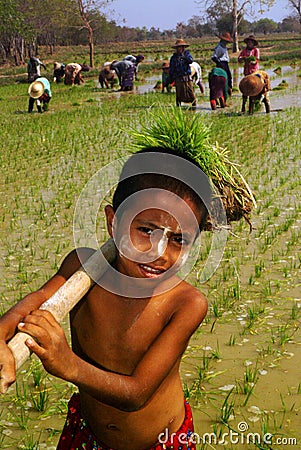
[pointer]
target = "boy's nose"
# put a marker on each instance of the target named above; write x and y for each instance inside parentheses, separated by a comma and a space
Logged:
(159, 242)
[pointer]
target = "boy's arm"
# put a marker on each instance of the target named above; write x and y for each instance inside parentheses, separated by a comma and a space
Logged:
(8, 328)
(125, 392)
(31, 302)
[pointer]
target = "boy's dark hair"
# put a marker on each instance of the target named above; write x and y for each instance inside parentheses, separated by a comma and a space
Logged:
(164, 169)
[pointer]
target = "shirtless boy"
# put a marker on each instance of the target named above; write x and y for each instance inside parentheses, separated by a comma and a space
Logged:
(126, 349)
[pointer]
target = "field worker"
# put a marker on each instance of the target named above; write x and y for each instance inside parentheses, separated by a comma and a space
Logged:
(73, 73)
(180, 73)
(218, 87)
(250, 55)
(131, 329)
(58, 71)
(256, 86)
(107, 77)
(34, 68)
(196, 75)
(221, 57)
(166, 82)
(40, 93)
(125, 71)
(135, 60)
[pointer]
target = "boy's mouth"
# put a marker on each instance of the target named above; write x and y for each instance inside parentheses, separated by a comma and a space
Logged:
(150, 272)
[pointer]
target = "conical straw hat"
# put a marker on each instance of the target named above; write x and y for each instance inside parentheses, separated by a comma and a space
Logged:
(36, 89)
(251, 85)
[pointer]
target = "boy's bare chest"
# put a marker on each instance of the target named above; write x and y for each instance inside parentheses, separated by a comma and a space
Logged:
(116, 333)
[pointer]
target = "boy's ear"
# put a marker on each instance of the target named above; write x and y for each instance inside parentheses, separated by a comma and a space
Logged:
(110, 218)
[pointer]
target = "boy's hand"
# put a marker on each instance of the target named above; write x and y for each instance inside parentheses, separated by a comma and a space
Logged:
(7, 367)
(49, 342)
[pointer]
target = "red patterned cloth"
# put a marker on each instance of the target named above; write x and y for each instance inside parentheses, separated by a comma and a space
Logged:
(77, 434)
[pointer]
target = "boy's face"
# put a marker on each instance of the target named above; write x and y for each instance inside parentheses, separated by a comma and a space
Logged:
(154, 234)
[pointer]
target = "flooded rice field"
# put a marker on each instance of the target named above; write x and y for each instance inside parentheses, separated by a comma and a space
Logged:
(287, 98)
(242, 369)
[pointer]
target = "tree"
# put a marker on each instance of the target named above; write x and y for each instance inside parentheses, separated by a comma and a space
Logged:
(216, 9)
(265, 26)
(88, 10)
(291, 24)
(295, 6)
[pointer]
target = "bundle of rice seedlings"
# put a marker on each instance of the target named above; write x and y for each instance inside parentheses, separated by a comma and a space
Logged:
(186, 133)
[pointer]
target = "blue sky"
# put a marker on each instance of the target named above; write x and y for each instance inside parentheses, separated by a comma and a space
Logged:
(165, 14)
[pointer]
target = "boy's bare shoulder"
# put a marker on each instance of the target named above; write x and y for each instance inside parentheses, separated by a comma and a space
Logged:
(191, 301)
(74, 260)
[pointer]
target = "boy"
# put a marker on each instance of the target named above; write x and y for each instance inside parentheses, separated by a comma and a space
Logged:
(180, 73)
(126, 348)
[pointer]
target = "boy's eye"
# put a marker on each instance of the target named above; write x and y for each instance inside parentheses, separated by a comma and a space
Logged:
(180, 240)
(145, 230)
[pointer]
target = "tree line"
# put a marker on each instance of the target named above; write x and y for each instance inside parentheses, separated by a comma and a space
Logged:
(27, 24)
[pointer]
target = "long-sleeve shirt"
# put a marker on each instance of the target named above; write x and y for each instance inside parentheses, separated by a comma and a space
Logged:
(249, 66)
(179, 65)
(34, 66)
(220, 53)
(121, 67)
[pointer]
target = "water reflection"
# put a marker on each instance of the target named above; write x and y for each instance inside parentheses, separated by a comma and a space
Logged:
(280, 99)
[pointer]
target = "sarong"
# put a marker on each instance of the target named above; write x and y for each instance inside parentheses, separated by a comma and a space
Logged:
(217, 85)
(185, 91)
(128, 78)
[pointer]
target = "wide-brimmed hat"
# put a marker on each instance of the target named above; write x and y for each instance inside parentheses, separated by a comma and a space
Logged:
(251, 85)
(165, 65)
(226, 37)
(251, 38)
(36, 89)
(56, 65)
(180, 43)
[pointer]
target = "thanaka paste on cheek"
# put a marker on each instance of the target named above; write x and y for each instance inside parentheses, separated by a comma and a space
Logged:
(158, 240)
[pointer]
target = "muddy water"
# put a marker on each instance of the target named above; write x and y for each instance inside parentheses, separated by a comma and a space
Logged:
(279, 99)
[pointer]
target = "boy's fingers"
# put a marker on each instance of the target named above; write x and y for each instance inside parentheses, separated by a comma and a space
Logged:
(43, 319)
(43, 314)
(7, 377)
(35, 347)
(36, 331)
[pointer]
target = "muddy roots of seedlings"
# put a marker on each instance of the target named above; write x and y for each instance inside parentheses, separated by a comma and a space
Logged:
(234, 209)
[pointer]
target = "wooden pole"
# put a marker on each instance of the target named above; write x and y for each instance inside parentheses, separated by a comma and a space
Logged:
(68, 295)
